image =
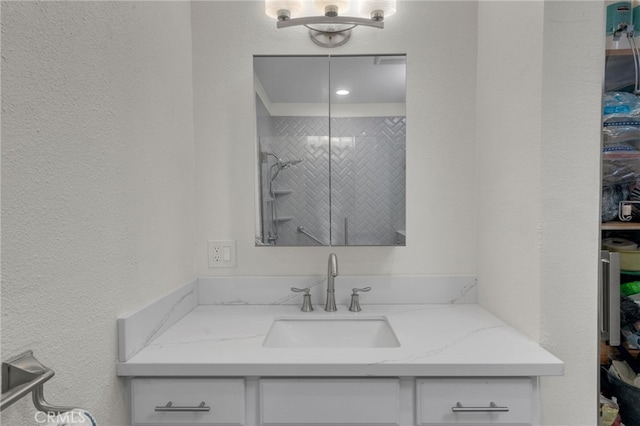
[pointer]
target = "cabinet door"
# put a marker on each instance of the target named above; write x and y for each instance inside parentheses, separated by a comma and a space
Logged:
(223, 401)
(330, 402)
(475, 401)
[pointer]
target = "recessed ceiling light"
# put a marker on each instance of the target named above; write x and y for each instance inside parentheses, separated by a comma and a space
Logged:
(342, 92)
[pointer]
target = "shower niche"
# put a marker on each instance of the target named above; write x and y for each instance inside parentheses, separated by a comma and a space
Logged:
(331, 157)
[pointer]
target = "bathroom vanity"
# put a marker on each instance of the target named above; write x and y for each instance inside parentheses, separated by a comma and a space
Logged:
(226, 351)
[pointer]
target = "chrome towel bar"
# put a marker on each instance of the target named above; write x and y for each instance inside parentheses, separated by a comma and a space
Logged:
(304, 231)
(23, 374)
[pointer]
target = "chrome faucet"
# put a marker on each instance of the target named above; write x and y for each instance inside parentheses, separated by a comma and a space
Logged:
(332, 272)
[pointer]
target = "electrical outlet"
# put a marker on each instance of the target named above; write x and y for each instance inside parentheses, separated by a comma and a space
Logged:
(222, 254)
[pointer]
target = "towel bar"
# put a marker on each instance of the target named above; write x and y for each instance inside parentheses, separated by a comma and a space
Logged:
(304, 231)
(23, 374)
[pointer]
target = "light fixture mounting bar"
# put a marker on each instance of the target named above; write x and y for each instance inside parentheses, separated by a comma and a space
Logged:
(340, 20)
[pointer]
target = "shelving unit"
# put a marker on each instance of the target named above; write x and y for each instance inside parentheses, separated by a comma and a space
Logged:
(618, 52)
(620, 75)
(620, 226)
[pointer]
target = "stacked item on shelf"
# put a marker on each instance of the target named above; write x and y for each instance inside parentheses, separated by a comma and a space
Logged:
(620, 380)
(629, 287)
(624, 384)
(630, 315)
(621, 154)
(609, 412)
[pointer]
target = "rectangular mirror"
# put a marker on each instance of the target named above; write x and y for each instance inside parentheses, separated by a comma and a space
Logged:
(331, 165)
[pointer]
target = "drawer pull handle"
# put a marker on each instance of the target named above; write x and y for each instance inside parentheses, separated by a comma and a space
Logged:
(492, 408)
(171, 407)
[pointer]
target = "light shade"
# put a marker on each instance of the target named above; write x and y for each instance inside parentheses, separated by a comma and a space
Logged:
(273, 6)
(320, 5)
(367, 7)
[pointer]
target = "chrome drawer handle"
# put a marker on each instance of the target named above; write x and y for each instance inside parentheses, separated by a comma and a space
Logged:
(171, 407)
(492, 408)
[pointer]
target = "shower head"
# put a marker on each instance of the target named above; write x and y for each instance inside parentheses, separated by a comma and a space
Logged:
(280, 163)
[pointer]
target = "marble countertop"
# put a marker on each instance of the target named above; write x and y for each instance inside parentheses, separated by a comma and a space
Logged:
(435, 340)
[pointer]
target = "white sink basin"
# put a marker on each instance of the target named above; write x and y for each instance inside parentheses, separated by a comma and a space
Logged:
(337, 332)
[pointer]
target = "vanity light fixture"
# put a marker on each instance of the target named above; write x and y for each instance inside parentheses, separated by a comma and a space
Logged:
(329, 27)
(342, 92)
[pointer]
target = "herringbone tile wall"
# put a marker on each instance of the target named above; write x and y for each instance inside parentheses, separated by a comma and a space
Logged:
(364, 183)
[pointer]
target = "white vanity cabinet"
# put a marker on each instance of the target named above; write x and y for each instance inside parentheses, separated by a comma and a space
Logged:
(313, 401)
(476, 401)
(187, 401)
(216, 356)
(336, 401)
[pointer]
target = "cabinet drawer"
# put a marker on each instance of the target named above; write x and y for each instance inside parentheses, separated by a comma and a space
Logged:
(437, 400)
(224, 397)
(330, 401)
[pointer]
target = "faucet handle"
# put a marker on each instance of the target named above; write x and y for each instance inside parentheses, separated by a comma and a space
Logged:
(355, 299)
(306, 298)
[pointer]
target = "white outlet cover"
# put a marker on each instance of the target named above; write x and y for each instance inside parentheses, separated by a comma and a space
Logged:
(222, 253)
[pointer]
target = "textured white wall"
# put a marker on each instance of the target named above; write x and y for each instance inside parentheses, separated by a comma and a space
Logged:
(97, 184)
(539, 90)
(573, 65)
(441, 69)
(508, 160)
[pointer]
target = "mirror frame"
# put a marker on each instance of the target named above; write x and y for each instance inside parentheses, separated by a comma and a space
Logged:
(334, 108)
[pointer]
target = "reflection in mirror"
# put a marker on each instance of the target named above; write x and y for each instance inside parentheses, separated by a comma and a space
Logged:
(331, 165)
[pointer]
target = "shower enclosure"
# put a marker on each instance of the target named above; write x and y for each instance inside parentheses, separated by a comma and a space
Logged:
(329, 175)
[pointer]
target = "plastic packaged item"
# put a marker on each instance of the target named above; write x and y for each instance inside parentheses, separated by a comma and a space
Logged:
(627, 398)
(611, 197)
(635, 206)
(620, 104)
(609, 411)
(632, 337)
(620, 151)
(620, 175)
(620, 171)
(629, 260)
(631, 288)
(616, 135)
